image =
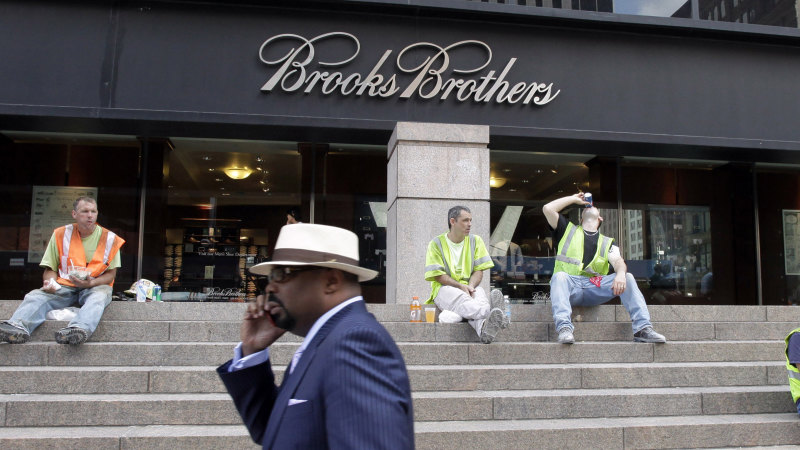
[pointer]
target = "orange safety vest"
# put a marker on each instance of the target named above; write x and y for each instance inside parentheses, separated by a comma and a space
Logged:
(70, 251)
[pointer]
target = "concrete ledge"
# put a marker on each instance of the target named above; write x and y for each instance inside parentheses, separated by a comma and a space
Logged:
(174, 437)
(119, 409)
(650, 432)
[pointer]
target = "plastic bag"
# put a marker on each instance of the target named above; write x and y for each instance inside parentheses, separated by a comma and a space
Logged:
(63, 314)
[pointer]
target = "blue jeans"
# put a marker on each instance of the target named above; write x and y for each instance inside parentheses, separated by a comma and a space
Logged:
(567, 291)
(37, 303)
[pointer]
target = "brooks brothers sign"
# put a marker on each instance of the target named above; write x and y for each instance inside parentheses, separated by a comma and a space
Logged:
(438, 76)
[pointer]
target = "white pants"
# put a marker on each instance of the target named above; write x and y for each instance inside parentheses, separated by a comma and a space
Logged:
(455, 302)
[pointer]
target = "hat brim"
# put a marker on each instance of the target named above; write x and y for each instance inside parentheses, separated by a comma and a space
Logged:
(363, 274)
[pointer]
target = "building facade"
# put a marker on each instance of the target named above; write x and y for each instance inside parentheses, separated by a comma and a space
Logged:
(198, 126)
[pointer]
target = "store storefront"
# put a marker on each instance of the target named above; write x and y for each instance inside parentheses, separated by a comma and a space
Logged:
(198, 127)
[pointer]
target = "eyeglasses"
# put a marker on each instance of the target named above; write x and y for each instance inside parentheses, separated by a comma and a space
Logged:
(278, 275)
(281, 274)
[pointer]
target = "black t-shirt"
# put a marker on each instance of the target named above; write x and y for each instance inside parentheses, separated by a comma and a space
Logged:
(589, 241)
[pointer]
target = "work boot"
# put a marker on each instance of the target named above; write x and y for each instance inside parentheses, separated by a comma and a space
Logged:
(492, 325)
(72, 335)
(648, 334)
(565, 336)
(13, 334)
(496, 301)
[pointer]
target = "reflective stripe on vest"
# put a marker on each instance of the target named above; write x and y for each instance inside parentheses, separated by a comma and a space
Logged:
(563, 255)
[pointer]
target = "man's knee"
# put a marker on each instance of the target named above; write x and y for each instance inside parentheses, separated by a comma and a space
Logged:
(559, 277)
(100, 294)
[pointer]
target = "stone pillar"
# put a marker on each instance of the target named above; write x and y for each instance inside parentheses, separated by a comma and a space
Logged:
(432, 167)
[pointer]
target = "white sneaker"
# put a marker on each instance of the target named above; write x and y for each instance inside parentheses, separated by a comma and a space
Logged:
(492, 325)
(565, 336)
(496, 301)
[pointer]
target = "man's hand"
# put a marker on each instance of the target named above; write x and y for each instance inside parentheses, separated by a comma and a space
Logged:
(469, 290)
(258, 331)
(82, 284)
(48, 287)
(619, 284)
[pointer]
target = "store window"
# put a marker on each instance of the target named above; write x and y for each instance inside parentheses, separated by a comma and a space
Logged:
(521, 243)
(680, 225)
(225, 204)
(44, 174)
(779, 230)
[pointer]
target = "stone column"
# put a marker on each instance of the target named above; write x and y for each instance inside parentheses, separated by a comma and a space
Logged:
(432, 167)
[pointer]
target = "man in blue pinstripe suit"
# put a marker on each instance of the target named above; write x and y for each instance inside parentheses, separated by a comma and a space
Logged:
(347, 385)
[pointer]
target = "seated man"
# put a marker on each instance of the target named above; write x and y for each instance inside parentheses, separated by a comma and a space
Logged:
(580, 276)
(792, 360)
(70, 278)
(454, 264)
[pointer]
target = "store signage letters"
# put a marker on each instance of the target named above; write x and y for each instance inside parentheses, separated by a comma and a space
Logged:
(437, 76)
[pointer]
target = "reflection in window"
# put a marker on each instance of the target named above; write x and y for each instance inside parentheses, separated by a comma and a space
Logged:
(521, 243)
(226, 203)
(658, 8)
(781, 14)
(668, 251)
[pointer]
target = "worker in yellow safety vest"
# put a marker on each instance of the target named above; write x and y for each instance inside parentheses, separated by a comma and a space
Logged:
(80, 264)
(792, 353)
(454, 264)
(580, 275)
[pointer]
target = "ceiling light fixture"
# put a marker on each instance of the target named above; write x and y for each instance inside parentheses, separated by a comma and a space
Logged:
(238, 173)
(496, 182)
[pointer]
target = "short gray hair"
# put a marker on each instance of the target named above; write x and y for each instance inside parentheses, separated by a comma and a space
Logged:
(83, 198)
(454, 212)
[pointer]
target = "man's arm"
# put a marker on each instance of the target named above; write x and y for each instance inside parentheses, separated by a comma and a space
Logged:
(552, 209)
(620, 268)
(475, 279)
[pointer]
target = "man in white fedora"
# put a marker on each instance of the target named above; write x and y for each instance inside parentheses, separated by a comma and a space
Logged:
(347, 384)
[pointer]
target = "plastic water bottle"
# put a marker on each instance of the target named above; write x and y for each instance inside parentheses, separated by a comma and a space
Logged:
(416, 310)
(507, 304)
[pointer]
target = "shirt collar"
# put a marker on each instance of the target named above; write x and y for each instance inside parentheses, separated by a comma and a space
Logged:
(324, 318)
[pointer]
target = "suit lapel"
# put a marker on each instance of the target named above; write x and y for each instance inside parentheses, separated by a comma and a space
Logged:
(289, 386)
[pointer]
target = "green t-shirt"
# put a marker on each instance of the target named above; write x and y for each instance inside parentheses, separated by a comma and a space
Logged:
(50, 260)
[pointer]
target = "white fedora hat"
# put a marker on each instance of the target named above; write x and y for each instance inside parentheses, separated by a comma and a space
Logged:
(305, 244)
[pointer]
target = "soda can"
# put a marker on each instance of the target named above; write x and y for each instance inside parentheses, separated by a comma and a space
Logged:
(588, 197)
(157, 293)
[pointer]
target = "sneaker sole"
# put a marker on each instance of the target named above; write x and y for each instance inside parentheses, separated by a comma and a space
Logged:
(71, 338)
(650, 341)
(492, 326)
(14, 338)
(496, 301)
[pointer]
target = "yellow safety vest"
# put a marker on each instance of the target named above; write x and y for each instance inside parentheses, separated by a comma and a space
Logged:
(569, 257)
(437, 261)
(794, 373)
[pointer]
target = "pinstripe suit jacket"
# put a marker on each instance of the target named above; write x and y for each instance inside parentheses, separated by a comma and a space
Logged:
(354, 383)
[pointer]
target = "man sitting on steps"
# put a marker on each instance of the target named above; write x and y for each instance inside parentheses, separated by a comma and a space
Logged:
(580, 275)
(454, 264)
(70, 277)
